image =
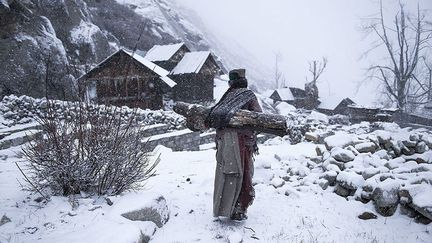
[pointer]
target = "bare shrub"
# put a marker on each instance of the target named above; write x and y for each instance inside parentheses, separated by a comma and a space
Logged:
(95, 151)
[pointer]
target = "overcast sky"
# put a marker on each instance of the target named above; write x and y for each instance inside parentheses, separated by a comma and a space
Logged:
(301, 31)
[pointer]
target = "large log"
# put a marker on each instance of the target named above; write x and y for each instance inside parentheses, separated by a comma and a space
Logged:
(261, 122)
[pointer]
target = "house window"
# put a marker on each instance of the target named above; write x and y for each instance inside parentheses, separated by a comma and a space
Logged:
(91, 91)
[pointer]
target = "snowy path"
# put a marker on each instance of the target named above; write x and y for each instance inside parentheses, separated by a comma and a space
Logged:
(185, 179)
(311, 215)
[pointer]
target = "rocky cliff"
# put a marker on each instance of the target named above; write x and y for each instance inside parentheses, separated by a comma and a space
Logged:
(46, 44)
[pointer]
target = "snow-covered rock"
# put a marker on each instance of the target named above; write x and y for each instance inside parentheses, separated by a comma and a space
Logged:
(348, 182)
(154, 210)
(277, 182)
(318, 116)
(4, 220)
(342, 155)
(418, 197)
(310, 136)
(386, 197)
(339, 140)
(284, 108)
(366, 147)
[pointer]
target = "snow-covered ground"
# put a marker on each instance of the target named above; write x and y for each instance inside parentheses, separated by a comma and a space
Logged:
(292, 209)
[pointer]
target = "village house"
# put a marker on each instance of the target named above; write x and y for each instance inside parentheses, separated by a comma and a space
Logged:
(334, 105)
(167, 56)
(291, 95)
(359, 113)
(194, 76)
(126, 78)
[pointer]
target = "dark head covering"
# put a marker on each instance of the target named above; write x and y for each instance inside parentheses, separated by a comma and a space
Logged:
(237, 78)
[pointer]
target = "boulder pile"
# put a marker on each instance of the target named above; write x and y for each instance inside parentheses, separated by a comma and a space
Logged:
(385, 169)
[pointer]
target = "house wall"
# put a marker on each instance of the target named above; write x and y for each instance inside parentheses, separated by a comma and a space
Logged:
(196, 87)
(193, 87)
(121, 80)
(358, 114)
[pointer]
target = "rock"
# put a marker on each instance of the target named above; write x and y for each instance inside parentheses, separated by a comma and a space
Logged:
(157, 213)
(277, 182)
(353, 150)
(384, 137)
(369, 172)
(330, 176)
(428, 140)
(408, 151)
(395, 146)
(310, 136)
(382, 154)
(338, 140)
(409, 143)
(4, 220)
(408, 211)
(109, 201)
(320, 150)
(418, 197)
(386, 197)
(367, 216)
(365, 196)
(332, 161)
(342, 155)
(342, 191)
(350, 180)
(147, 232)
(420, 158)
(367, 147)
(420, 219)
(421, 147)
(414, 137)
(395, 163)
(323, 183)
(326, 155)
(332, 167)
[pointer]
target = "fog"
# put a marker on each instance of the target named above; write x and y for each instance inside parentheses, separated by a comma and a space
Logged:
(301, 31)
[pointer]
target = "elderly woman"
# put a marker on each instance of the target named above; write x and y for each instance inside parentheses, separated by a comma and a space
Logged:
(233, 190)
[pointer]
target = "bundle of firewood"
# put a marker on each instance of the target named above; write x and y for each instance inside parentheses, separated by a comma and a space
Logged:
(260, 122)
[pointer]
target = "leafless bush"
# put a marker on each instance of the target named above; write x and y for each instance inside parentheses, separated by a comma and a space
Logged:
(96, 152)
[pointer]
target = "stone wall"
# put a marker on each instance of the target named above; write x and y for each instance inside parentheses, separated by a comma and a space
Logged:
(182, 140)
(23, 109)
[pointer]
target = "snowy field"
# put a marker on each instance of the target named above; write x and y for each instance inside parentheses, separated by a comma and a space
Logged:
(297, 211)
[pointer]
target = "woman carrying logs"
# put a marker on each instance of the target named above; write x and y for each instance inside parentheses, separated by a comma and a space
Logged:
(233, 190)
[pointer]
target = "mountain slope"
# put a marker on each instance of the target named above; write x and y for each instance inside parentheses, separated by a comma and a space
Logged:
(46, 44)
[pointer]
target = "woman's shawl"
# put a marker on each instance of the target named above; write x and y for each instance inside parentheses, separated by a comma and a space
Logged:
(232, 101)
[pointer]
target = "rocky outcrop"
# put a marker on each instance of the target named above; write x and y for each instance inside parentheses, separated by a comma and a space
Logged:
(46, 44)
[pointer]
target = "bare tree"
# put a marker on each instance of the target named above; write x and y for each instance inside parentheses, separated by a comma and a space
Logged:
(420, 90)
(405, 43)
(316, 68)
(279, 77)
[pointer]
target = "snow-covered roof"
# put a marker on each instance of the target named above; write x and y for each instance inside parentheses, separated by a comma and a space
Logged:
(285, 94)
(330, 102)
(192, 62)
(155, 68)
(162, 52)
